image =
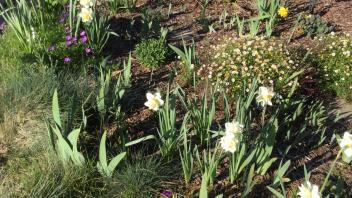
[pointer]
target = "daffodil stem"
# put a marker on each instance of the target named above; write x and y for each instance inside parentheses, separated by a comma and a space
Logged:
(329, 173)
(263, 116)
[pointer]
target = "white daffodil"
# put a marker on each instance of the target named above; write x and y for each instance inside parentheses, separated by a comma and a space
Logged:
(265, 95)
(86, 3)
(154, 101)
(229, 142)
(307, 190)
(346, 147)
(86, 14)
(233, 127)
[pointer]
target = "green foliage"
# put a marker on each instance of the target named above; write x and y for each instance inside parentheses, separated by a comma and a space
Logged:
(152, 53)
(236, 61)
(250, 182)
(201, 118)
(116, 5)
(108, 99)
(140, 177)
(187, 159)
(314, 25)
(307, 121)
(169, 136)
(208, 161)
(203, 5)
(332, 54)
(238, 162)
(188, 57)
(73, 19)
(203, 193)
(105, 168)
(33, 170)
(279, 180)
(25, 19)
(98, 32)
(65, 143)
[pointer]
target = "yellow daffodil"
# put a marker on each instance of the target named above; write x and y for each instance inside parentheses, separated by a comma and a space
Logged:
(154, 101)
(307, 190)
(346, 147)
(86, 14)
(265, 95)
(282, 12)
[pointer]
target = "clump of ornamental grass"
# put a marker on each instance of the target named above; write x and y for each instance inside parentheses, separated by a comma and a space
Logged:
(37, 173)
(140, 177)
(236, 61)
(333, 56)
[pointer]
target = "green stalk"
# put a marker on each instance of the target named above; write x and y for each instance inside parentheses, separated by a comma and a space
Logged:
(263, 115)
(331, 168)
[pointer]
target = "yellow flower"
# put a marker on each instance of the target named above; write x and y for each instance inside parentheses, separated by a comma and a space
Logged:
(283, 11)
(86, 14)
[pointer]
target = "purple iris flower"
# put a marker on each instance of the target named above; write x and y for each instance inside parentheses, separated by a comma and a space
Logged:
(88, 50)
(166, 193)
(68, 38)
(84, 39)
(68, 43)
(82, 34)
(74, 40)
(51, 48)
(67, 59)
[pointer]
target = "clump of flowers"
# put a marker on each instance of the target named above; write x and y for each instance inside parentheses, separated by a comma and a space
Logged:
(238, 61)
(154, 101)
(333, 55)
(308, 190)
(230, 141)
(282, 11)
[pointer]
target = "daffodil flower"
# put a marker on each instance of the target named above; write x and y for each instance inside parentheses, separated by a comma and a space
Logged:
(307, 190)
(346, 147)
(86, 14)
(154, 101)
(233, 127)
(265, 95)
(229, 142)
(86, 3)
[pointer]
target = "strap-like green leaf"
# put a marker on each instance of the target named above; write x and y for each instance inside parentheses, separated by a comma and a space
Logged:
(204, 187)
(137, 141)
(276, 193)
(115, 161)
(102, 152)
(56, 109)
